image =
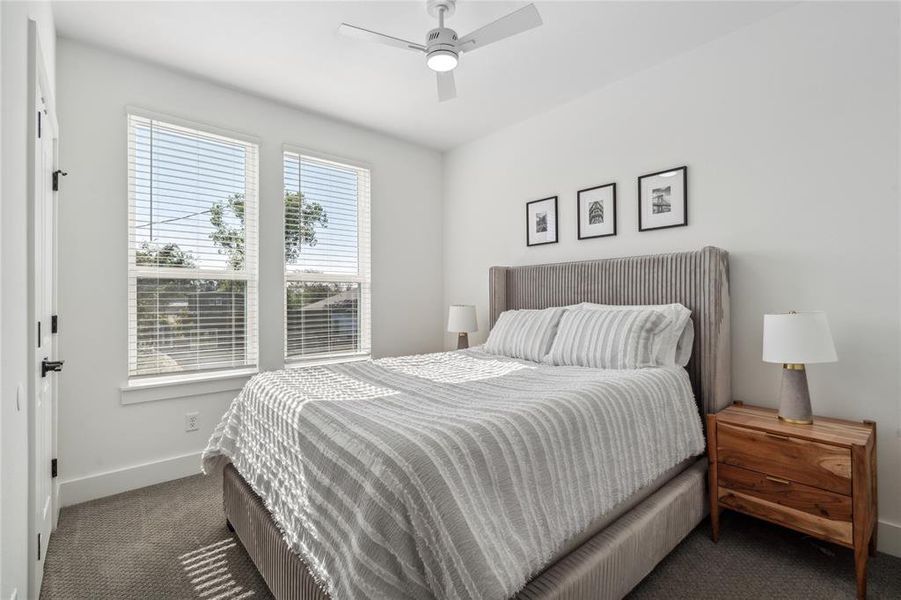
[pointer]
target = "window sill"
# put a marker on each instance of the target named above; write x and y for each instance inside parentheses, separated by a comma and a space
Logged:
(299, 363)
(181, 386)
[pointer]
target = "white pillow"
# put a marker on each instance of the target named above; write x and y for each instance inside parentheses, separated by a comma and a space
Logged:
(686, 341)
(525, 334)
(607, 339)
(672, 346)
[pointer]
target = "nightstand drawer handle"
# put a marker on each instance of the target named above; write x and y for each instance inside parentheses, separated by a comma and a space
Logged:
(778, 480)
(784, 438)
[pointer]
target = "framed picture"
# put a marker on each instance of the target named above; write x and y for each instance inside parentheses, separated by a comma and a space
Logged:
(541, 221)
(663, 199)
(597, 211)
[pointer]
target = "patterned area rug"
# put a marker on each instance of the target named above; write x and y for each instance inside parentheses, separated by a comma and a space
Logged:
(170, 541)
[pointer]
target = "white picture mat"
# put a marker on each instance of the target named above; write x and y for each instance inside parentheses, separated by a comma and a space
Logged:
(675, 179)
(604, 195)
(543, 206)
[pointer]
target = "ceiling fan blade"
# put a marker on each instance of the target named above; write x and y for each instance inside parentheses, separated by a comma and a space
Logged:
(372, 36)
(518, 21)
(447, 89)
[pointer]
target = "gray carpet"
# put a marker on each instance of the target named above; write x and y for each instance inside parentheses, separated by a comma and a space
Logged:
(170, 541)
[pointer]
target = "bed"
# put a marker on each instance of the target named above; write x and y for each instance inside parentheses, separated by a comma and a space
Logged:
(467, 516)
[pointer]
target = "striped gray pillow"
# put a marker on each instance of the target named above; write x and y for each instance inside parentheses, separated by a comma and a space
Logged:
(525, 334)
(607, 339)
(668, 350)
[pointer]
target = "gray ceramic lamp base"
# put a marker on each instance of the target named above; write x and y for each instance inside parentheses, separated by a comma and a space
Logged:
(794, 396)
(462, 341)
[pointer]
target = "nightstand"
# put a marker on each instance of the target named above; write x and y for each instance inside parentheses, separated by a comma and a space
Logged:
(819, 479)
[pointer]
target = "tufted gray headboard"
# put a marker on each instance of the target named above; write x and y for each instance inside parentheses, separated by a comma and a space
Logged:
(698, 279)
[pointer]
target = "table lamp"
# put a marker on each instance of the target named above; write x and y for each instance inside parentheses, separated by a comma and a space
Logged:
(795, 339)
(461, 319)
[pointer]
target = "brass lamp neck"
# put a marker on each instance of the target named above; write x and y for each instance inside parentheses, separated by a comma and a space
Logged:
(793, 366)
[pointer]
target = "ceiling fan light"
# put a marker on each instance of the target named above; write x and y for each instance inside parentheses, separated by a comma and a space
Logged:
(442, 60)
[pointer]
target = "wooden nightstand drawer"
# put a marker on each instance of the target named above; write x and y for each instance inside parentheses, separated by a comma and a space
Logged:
(830, 512)
(819, 465)
(836, 531)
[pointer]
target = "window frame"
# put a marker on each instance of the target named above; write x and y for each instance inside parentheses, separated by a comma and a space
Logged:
(364, 262)
(250, 274)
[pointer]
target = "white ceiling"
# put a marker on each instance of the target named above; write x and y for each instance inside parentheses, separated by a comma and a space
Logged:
(291, 52)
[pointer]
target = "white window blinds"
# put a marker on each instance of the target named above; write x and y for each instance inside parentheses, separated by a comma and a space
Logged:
(192, 270)
(327, 277)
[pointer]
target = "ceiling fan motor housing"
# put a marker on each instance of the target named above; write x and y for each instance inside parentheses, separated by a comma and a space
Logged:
(441, 38)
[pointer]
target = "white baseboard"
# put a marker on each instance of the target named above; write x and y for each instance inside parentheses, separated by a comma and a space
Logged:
(100, 485)
(889, 538)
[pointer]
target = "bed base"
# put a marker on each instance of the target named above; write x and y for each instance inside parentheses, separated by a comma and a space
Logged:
(608, 565)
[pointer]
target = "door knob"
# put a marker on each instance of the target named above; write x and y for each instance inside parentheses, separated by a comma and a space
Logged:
(51, 365)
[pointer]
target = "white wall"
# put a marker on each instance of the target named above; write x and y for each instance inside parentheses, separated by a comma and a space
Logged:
(2, 389)
(98, 434)
(790, 131)
(14, 116)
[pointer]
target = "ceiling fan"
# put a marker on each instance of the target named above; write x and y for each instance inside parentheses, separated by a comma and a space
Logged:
(443, 48)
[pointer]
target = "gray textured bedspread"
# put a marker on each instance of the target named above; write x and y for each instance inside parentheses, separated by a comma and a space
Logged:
(450, 475)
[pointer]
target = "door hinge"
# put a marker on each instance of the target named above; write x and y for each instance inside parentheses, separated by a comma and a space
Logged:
(39, 546)
(39, 334)
(39, 123)
(56, 176)
(53, 467)
(54, 324)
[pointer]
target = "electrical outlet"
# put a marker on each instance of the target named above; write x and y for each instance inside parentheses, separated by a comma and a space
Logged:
(191, 421)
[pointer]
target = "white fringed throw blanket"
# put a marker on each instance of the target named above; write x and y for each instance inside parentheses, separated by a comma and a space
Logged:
(451, 475)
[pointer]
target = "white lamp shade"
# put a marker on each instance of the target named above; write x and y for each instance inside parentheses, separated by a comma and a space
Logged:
(797, 338)
(462, 318)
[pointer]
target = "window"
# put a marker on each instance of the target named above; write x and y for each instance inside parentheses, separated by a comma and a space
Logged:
(327, 286)
(192, 267)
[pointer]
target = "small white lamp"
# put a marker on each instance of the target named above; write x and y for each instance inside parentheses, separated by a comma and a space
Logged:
(461, 319)
(795, 339)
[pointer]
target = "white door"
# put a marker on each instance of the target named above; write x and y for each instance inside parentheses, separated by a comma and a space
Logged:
(43, 407)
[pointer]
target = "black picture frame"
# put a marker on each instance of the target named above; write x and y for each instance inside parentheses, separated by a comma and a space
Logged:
(556, 223)
(641, 199)
(579, 212)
